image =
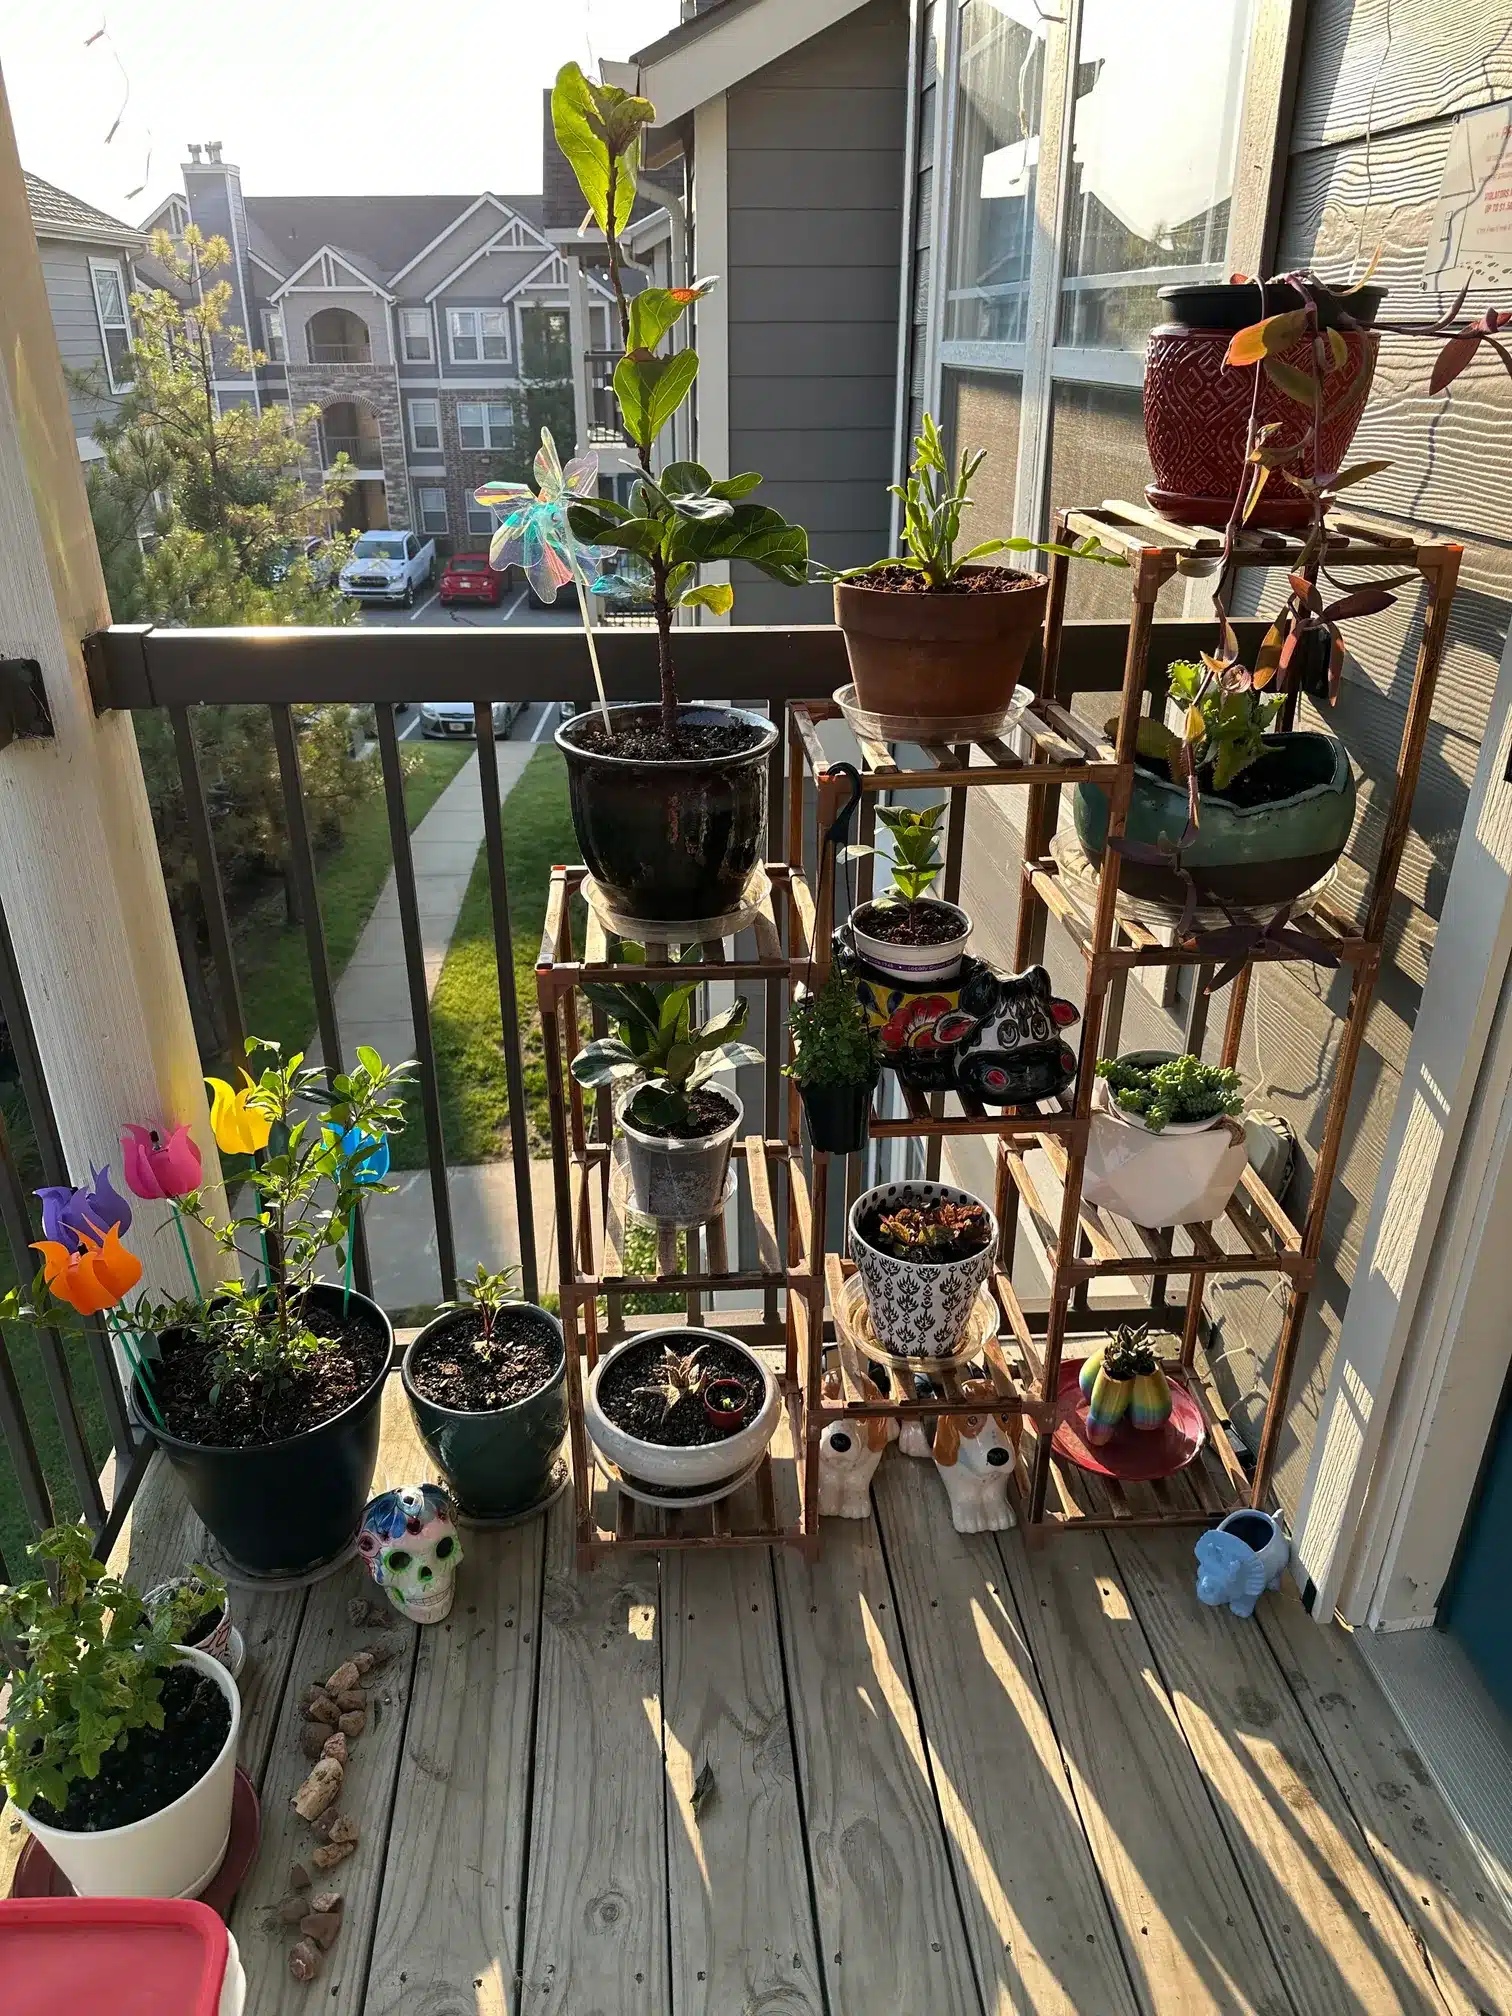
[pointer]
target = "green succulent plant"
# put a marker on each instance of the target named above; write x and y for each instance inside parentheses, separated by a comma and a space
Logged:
(1226, 714)
(1183, 1088)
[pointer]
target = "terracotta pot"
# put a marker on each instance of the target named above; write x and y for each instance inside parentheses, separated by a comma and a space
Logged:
(939, 657)
(1197, 408)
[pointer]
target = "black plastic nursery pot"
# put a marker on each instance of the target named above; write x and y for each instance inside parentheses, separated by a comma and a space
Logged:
(286, 1507)
(669, 840)
(501, 1464)
(837, 1116)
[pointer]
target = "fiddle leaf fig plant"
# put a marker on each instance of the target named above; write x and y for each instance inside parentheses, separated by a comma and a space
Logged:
(680, 518)
(659, 1045)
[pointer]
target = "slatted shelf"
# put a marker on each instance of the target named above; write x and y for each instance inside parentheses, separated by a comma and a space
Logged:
(1064, 751)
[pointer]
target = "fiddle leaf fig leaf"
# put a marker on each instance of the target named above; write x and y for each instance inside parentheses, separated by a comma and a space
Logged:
(650, 390)
(751, 532)
(716, 595)
(598, 128)
(656, 309)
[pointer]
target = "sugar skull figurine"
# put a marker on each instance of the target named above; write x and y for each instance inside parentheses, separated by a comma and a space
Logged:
(410, 1544)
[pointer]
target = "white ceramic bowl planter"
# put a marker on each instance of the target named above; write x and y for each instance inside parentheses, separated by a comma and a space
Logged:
(1184, 1175)
(691, 1476)
(170, 1853)
(676, 1181)
(913, 965)
(918, 1308)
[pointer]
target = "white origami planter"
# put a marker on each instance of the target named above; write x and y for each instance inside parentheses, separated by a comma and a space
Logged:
(1184, 1175)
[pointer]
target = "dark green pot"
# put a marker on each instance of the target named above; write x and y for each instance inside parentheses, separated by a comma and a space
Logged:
(503, 1464)
(1262, 853)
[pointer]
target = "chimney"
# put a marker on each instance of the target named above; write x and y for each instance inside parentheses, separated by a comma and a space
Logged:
(213, 149)
(194, 152)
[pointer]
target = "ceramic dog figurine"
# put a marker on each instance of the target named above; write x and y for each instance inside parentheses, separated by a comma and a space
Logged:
(849, 1452)
(974, 1456)
(1239, 1559)
(1012, 1053)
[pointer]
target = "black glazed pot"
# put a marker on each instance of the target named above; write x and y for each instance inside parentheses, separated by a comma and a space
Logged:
(676, 840)
(502, 1464)
(286, 1507)
(837, 1116)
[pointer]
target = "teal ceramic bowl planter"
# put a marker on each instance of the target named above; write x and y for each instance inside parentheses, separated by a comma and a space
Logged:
(501, 1464)
(1287, 825)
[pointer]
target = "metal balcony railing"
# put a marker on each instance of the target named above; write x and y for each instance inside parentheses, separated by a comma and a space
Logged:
(603, 409)
(364, 451)
(339, 353)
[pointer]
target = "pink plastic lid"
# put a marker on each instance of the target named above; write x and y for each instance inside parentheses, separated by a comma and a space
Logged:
(132, 1956)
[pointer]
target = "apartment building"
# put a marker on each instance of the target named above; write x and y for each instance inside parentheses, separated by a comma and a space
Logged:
(87, 266)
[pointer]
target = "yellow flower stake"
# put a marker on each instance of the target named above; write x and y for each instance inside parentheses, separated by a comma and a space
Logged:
(239, 1120)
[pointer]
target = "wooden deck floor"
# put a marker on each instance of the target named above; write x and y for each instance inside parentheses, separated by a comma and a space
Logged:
(948, 1776)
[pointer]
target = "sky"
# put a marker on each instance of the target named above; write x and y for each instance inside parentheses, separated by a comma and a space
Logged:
(309, 97)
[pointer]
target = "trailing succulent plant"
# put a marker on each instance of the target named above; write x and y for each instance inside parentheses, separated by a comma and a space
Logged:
(934, 1232)
(833, 1042)
(1182, 1089)
(1124, 1379)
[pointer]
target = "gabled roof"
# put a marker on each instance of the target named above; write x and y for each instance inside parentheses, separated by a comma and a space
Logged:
(56, 214)
(330, 262)
(511, 218)
(725, 42)
(381, 235)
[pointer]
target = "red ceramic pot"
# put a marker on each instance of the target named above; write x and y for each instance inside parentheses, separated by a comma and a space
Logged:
(1197, 411)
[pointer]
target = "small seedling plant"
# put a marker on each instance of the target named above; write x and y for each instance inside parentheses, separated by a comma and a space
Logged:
(833, 1042)
(488, 1296)
(85, 1661)
(659, 1047)
(1182, 1089)
(679, 1376)
(934, 1232)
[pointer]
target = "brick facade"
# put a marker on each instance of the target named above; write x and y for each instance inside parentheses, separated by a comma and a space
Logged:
(376, 387)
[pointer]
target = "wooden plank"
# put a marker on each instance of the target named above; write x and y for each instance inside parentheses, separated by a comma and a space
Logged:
(1040, 1934)
(326, 1637)
(742, 1931)
(1190, 1934)
(1433, 1873)
(1332, 1926)
(764, 1217)
(890, 1932)
(596, 1896)
(448, 1921)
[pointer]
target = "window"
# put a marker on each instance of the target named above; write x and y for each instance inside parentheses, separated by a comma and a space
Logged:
(415, 335)
(1152, 161)
(996, 166)
(546, 343)
(430, 508)
(485, 425)
(109, 284)
(411, 546)
(478, 335)
(273, 335)
(480, 520)
(425, 423)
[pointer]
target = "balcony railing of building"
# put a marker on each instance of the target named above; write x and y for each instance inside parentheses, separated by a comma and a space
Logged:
(603, 409)
(363, 451)
(178, 672)
(339, 353)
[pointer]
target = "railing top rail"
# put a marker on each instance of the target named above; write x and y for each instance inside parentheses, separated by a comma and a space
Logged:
(141, 665)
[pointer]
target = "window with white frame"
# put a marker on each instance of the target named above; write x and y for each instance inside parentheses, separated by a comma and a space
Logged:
(415, 335)
(430, 507)
(1001, 79)
(485, 423)
(478, 335)
(109, 284)
(480, 520)
(425, 423)
(273, 335)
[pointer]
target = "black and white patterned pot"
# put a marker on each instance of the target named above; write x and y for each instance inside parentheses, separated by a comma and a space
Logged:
(916, 1309)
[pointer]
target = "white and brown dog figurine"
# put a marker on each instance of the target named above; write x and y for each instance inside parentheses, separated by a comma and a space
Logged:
(974, 1454)
(849, 1452)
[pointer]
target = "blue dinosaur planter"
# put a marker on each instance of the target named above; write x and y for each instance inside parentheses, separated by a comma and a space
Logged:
(1240, 1559)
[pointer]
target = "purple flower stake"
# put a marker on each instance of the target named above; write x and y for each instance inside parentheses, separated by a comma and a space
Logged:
(71, 1216)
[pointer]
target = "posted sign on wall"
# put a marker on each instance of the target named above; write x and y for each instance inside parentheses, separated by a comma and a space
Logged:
(1471, 233)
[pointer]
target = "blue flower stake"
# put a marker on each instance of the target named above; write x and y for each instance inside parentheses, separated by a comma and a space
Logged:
(534, 534)
(356, 1146)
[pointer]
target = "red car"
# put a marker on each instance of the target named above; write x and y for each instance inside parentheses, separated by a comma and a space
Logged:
(469, 578)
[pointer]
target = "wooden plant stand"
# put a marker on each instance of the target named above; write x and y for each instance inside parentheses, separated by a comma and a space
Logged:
(1255, 1235)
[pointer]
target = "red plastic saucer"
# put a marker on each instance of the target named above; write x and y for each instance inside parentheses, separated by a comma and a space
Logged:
(1135, 1455)
(37, 1875)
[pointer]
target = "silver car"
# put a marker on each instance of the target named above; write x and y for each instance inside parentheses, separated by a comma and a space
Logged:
(455, 717)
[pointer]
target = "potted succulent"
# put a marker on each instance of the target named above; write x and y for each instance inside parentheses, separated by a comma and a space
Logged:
(486, 1383)
(1124, 1381)
(120, 1742)
(907, 935)
(678, 1128)
(668, 800)
(211, 1632)
(1164, 1148)
(1249, 814)
(658, 1408)
(935, 637)
(837, 1060)
(922, 1251)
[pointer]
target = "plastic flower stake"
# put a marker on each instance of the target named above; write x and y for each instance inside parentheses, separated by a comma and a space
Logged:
(533, 534)
(92, 1276)
(70, 1216)
(163, 1169)
(373, 1154)
(240, 1126)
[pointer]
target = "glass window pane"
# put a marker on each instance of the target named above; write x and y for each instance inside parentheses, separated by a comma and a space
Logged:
(479, 519)
(416, 327)
(109, 294)
(1152, 167)
(996, 163)
(1097, 450)
(495, 335)
(464, 335)
(470, 431)
(982, 412)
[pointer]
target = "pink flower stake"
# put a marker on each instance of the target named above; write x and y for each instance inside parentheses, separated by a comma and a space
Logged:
(165, 1170)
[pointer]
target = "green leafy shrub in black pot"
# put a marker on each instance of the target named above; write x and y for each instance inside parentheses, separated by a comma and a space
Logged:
(837, 1060)
(486, 1383)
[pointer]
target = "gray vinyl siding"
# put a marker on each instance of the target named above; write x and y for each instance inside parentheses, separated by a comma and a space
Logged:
(65, 273)
(815, 166)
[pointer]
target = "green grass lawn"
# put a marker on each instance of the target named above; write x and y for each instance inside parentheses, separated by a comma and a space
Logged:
(278, 1001)
(465, 1021)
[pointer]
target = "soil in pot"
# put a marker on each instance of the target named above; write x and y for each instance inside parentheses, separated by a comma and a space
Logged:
(458, 1368)
(205, 1628)
(157, 1766)
(644, 741)
(903, 580)
(970, 1229)
(923, 923)
(249, 1412)
(1279, 774)
(708, 1111)
(642, 1413)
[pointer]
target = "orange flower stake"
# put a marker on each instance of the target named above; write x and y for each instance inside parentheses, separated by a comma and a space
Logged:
(93, 1279)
